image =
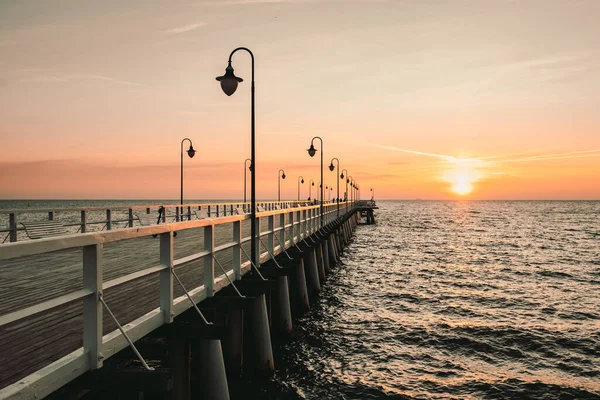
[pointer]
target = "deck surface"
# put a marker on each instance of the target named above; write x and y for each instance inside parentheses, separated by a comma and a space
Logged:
(30, 344)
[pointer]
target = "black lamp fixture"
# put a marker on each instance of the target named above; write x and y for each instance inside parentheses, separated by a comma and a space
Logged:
(342, 176)
(300, 181)
(282, 176)
(191, 153)
(312, 183)
(311, 152)
(331, 168)
(229, 83)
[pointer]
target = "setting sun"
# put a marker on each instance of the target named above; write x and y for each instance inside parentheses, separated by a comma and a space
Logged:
(462, 188)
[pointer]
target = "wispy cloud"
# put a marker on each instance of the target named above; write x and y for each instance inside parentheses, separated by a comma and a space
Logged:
(79, 77)
(184, 28)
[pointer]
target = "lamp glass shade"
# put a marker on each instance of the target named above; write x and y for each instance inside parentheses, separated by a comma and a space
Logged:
(331, 167)
(283, 176)
(191, 152)
(342, 176)
(302, 181)
(312, 151)
(229, 82)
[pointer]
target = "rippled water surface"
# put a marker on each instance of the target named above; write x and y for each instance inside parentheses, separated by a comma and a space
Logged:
(455, 300)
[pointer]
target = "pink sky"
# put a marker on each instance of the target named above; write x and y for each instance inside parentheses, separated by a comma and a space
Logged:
(416, 98)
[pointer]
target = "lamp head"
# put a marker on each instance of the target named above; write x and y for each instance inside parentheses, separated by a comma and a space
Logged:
(331, 167)
(302, 181)
(313, 184)
(229, 82)
(283, 175)
(348, 180)
(250, 167)
(312, 151)
(342, 176)
(191, 152)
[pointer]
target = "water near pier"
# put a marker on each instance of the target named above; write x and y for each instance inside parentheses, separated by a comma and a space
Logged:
(456, 300)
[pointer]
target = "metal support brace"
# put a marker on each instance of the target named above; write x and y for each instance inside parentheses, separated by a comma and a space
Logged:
(254, 265)
(135, 350)
(190, 298)
(271, 254)
(284, 249)
(227, 276)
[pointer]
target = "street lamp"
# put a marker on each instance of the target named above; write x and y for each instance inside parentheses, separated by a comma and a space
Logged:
(349, 180)
(299, 182)
(312, 183)
(373, 195)
(191, 153)
(331, 168)
(229, 83)
(311, 152)
(250, 168)
(282, 176)
(346, 192)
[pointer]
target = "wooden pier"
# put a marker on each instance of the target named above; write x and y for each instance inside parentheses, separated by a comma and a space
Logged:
(365, 208)
(57, 293)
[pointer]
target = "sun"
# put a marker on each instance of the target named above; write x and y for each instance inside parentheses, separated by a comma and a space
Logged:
(462, 183)
(462, 188)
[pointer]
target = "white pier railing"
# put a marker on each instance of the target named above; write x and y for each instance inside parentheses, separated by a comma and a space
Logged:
(221, 235)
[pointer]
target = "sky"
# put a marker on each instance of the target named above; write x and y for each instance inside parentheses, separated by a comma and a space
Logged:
(428, 99)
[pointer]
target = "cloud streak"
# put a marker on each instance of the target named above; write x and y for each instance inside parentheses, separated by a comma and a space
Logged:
(184, 29)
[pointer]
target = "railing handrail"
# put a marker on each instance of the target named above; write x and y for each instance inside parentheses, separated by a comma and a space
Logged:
(124, 207)
(40, 246)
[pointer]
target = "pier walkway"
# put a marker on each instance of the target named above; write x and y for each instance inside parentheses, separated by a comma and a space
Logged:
(53, 323)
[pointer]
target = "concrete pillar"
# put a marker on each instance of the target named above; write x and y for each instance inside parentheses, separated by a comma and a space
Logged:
(281, 311)
(323, 255)
(211, 370)
(332, 255)
(325, 251)
(180, 359)
(258, 353)
(233, 342)
(320, 263)
(299, 291)
(312, 272)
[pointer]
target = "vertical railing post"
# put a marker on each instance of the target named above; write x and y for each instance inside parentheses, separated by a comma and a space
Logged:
(50, 215)
(209, 263)
(271, 236)
(189, 213)
(299, 222)
(257, 261)
(237, 250)
(166, 276)
(305, 223)
(282, 231)
(12, 225)
(292, 228)
(83, 221)
(147, 210)
(131, 217)
(177, 212)
(92, 308)
(218, 211)
(208, 211)
(108, 220)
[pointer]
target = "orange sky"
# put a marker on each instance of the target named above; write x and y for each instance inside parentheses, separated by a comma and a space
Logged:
(418, 99)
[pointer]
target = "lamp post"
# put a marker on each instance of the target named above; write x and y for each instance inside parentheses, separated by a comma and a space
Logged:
(331, 168)
(191, 153)
(342, 177)
(250, 168)
(312, 183)
(373, 195)
(300, 180)
(311, 152)
(350, 181)
(229, 83)
(326, 188)
(282, 176)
